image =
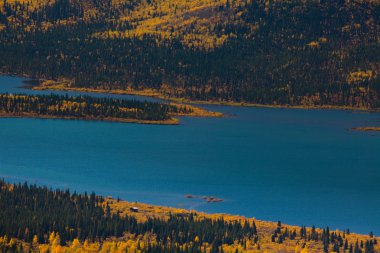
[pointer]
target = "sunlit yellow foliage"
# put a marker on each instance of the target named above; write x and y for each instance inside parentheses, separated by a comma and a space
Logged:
(129, 243)
(163, 92)
(313, 44)
(265, 229)
(75, 246)
(360, 76)
(193, 22)
(322, 40)
(32, 4)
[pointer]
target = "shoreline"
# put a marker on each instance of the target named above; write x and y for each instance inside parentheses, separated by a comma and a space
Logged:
(35, 84)
(261, 236)
(145, 210)
(299, 107)
(173, 121)
(61, 86)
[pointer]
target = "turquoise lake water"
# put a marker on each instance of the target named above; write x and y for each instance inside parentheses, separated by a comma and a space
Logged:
(302, 167)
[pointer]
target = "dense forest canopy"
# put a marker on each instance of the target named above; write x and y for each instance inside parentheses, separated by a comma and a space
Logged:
(29, 211)
(39, 219)
(258, 51)
(85, 107)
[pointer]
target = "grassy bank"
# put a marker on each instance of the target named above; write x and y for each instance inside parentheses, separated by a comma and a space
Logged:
(265, 243)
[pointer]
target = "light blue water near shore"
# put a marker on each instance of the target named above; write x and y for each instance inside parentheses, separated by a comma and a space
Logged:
(302, 167)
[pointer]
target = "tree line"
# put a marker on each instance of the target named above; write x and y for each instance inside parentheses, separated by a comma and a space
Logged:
(299, 53)
(30, 210)
(87, 107)
(331, 240)
(40, 215)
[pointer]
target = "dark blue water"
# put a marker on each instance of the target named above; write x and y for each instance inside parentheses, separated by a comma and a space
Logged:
(302, 167)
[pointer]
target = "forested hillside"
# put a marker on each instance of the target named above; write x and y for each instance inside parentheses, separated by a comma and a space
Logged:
(89, 217)
(252, 51)
(38, 219)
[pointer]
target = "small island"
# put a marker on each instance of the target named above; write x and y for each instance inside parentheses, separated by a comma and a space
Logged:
(91, 108)
(208, 199)
(367, 129)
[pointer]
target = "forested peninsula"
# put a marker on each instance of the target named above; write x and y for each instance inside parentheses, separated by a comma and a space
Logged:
(39, 219)
(265, 52)
(91, 108)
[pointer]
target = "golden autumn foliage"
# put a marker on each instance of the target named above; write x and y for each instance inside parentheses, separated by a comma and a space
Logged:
(264, 52)
(314, 44)
(193, 22)
(361, 76)
(163, 93)
(86, 108)
(264, 228)
(130, 243)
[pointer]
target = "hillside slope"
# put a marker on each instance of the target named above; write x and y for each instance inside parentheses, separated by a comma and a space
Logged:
(246, 51)
(38, 219)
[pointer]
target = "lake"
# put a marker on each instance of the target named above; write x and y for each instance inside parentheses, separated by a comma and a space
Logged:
(302, 167)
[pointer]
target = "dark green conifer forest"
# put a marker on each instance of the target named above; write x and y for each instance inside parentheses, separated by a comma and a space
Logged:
(277, 52)
(86, 107)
